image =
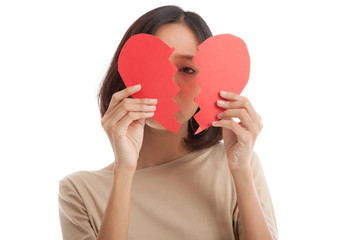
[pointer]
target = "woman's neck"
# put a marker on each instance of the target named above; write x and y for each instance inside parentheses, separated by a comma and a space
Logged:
(161, 146)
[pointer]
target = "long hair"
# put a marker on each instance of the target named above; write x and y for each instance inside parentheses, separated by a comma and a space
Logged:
(149, 23)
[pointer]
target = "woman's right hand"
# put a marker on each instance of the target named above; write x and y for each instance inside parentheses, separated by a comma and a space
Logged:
(124, 123)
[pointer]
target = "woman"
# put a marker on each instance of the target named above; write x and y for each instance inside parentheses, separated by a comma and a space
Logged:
(164, 185)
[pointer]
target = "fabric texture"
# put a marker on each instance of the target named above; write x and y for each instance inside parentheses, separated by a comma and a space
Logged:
(191, 197)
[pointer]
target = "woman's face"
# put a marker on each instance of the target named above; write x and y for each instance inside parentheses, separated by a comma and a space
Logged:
(181, 37)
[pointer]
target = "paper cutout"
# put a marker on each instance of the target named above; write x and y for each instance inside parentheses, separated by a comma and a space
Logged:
(224, 64)
(144, 59)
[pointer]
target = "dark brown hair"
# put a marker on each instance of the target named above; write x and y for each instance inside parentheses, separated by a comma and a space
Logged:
(149, 23)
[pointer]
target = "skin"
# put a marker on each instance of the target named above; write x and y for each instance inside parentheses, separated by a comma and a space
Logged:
(138, 141)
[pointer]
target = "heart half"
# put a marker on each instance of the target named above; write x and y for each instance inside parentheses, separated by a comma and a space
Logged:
(144, 59)
(224, 64)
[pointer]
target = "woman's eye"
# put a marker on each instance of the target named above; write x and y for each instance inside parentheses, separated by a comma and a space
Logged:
(187, 70)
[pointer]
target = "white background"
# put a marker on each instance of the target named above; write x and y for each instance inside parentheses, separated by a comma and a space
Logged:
(304, 82)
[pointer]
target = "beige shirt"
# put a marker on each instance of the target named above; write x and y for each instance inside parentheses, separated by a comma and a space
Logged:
(191, 197)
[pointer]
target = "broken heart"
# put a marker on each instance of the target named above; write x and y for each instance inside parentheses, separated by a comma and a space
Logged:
(224, 64)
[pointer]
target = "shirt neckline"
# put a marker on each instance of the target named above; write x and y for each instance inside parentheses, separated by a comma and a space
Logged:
(189, 156)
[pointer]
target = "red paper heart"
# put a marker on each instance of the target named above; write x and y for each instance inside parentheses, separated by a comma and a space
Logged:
(224, 64)
(144, 59)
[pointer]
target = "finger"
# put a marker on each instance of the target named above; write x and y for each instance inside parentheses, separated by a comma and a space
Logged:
(242, 114)
(130, 117)
(238, 102)
(120, 95)
(123, 108)
(132, 108)
(149, 101)
(142, 101)
(232, 125)
(230, 95)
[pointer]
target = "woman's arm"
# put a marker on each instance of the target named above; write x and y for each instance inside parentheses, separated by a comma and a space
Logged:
(115, 222)
(239, 140)
(252, 220)
(124, 123)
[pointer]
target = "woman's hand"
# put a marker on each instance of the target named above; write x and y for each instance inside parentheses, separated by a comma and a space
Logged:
(239, 138)
(124, 123)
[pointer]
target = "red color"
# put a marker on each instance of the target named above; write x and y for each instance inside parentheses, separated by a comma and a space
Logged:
(224, 64)
(144, 59)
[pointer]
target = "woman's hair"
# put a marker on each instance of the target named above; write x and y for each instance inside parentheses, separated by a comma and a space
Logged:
(149, 23)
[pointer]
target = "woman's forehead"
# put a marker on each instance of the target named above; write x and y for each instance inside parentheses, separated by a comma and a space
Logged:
(180, 37)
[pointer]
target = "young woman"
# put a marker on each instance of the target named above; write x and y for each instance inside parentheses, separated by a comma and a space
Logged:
(164, 185)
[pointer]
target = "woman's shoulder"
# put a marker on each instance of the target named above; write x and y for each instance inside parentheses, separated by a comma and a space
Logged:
(84, 177)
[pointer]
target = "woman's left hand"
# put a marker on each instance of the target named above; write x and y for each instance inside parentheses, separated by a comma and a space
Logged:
(239, 138)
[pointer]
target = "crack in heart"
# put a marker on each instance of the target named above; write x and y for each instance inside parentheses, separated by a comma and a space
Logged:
(179, 92)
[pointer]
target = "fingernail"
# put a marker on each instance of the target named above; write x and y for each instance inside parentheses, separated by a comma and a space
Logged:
(219, 115)
(154, 100)
(221, 102)
(223, 93)
(215, 123)
(136, 87)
